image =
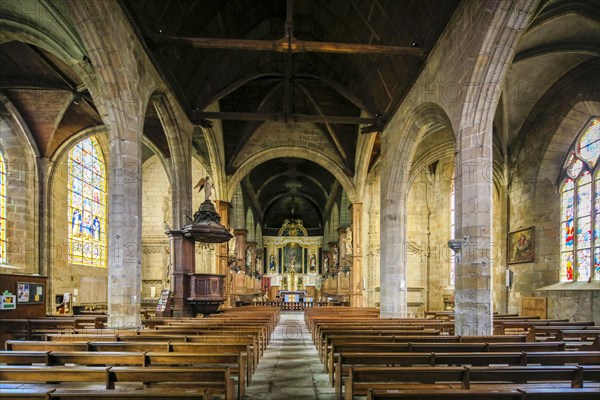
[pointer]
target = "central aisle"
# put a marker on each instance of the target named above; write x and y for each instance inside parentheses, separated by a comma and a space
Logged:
(290, 368)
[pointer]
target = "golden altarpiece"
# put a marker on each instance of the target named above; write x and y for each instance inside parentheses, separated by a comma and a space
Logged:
(293, 261)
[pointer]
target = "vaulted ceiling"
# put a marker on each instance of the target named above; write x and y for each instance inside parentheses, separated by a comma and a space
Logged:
(47, 93)
(344, 65)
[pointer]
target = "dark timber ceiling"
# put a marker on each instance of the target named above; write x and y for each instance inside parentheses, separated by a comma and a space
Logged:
(344, 65)
(292, 182)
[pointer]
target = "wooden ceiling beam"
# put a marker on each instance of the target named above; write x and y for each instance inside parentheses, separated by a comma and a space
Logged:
(342, 90)
(332, 133)
(298, 46)
(233, 86)
(33, 84)
(252, 126)
(196, 116)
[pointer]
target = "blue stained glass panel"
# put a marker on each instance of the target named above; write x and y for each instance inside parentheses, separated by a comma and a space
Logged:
(567, 205)
(584, 200)
(584, 232)
(589, 148)
(87, 204)
(583, 265)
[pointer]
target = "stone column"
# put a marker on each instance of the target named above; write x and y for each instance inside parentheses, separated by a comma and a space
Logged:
(473, 191)
(372, 255)
(45, 242)
(392, 270)
(505, 22)
(124, 225)
(356, 281)
(182, 263)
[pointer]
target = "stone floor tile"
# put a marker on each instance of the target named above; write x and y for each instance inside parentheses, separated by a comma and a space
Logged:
(290, 368)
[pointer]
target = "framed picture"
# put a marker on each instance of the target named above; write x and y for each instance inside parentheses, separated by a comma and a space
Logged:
(521, 246)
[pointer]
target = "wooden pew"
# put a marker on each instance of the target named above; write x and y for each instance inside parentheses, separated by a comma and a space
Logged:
(27, 373)
(23, 345)
(235, 361)
(432, 394)
(484, 394)
(89, 358)
(215, 380)
(559, 394)
(153, 394)
(362, 378)
(29, 394)
(8, 357)
(26, 394)
(551, 332)
(362, 347)
(345, 360)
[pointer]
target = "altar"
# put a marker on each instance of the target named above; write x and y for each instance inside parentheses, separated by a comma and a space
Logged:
(292, 296)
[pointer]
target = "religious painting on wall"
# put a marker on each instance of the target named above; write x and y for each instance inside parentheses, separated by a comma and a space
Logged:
(292, 257)
(521, 247)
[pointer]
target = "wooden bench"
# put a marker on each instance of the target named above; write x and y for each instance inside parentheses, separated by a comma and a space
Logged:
(8, 357)
(28, 394)
(47, 374)
(559, 394)
(490, 394)
(236, 362)
(344, 360)
(362, 347)
(214, 380)
(360, 379)
(432, 394)
(23, 345)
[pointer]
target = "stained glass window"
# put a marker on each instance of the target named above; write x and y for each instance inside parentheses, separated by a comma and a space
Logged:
(2, 210)
(87, 204)
(580, 208)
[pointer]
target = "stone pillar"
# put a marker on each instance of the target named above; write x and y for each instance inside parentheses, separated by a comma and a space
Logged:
(372, 266)
(44, 166)
(473, 191)
(124, 226)
(392, 270)
(182, 263)
(356, 281)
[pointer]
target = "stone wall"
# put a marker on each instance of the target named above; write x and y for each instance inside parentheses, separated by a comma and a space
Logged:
(156, 211)
(307, 137)
(22, 197)
(535, 201)
(428, 232)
